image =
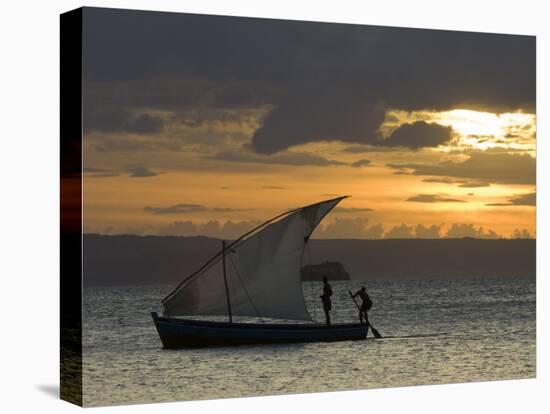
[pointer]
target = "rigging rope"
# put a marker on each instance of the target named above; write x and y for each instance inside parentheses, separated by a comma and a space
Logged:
(244, 287)
(311, 285)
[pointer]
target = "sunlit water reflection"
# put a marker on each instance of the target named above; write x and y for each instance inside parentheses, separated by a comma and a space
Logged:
(435, 332)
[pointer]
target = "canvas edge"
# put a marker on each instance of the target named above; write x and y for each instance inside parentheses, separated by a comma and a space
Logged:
(71, 206)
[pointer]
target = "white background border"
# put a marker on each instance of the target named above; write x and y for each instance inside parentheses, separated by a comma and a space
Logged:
(29, 166)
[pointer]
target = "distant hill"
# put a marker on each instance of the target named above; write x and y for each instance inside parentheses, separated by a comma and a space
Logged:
(138, 260)
(332, 270)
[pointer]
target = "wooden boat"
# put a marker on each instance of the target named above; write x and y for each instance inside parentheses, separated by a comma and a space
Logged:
(183, 333)
(257, 275)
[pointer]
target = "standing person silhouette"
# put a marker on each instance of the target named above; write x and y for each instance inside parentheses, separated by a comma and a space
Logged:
(325, 298)
(365, 305)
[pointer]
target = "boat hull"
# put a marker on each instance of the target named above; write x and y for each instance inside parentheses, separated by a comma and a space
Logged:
(185, 333)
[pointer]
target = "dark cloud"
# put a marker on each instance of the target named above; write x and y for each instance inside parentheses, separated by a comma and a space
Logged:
(325, 81)
(100, 172)
(419, 134)
(107, 144)
(461, 183)
(146, 124)
(188, 208)
(121, 120)
(475, 184)
(529, 199)
(360, 163)
(284, 158)
(442, 180)
(141, 171)
(481, 166)
(480, 138)
(359, 149)
(321, 119)
(433, 198)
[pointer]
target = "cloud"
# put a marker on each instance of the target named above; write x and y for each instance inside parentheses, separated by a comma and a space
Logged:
(141, 171)
(145, 124)
(469, 230)
(376, 231)
(188, 208)
(462, 183)
(474, 184)
(529, 199)
(273, 187)
(443, 180)
(433, 198)
(99, 172)
(320, 118)
(424, 232)
(359, 149)
(522, 234)
(481, 166)
(121, 120)
(229, 230)
(352, 209)
(352, 228)
(110, 144)
(400, 232)
(419, 134)
(284, 158)
(181, 228)
(321, 79)
(360, 163)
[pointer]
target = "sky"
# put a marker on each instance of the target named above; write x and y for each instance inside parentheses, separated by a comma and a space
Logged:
(209, 125)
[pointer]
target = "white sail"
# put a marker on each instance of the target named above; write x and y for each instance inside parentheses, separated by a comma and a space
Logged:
(263, 272)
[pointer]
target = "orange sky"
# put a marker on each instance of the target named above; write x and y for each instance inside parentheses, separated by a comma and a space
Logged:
(205, 125)
(253, 189)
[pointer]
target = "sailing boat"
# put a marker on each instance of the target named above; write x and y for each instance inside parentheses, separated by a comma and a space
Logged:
(257, 275)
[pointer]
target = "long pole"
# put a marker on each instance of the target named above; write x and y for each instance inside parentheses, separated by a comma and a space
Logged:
(226, 286)
(374, 331)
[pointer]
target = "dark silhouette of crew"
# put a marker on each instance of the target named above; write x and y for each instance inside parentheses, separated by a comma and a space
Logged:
(366, 304)
(325, 298)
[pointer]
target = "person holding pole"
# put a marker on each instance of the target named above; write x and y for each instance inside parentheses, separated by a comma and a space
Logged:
(366, 304)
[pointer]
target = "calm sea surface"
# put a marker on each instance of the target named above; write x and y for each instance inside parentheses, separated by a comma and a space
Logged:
(435, 332)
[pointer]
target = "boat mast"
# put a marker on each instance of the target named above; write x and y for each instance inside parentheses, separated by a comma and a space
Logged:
(226, 286)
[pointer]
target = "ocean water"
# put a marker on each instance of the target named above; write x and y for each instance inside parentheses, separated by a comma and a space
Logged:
(435, 332)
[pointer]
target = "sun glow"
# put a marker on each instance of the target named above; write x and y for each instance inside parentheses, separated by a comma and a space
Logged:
(474, 129)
